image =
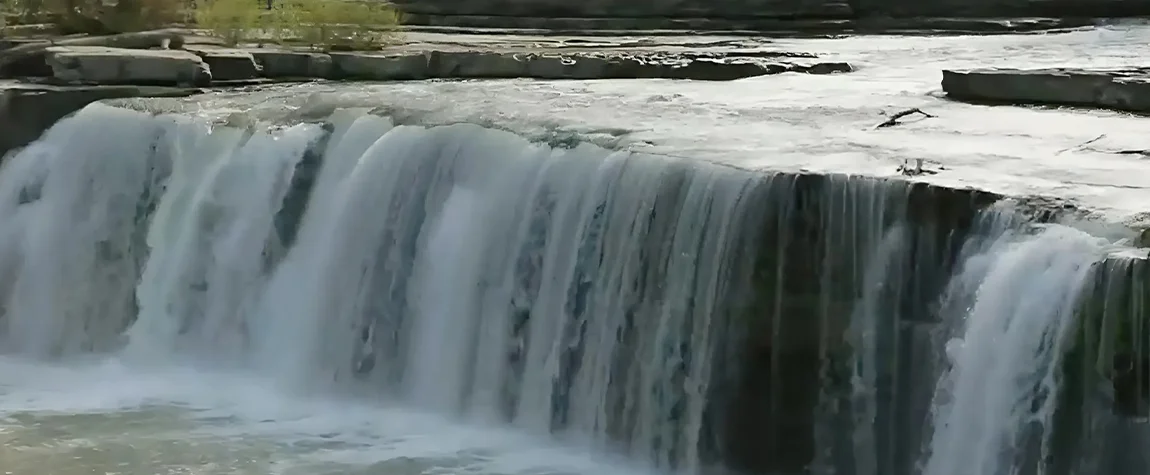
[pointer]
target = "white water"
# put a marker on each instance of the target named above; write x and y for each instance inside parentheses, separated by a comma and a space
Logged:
(1013, 305)
(453, 297)
(457, 270)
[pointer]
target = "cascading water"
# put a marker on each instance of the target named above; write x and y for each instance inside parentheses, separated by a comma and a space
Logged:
(1013, 305)
(457, 268)
(684, 315)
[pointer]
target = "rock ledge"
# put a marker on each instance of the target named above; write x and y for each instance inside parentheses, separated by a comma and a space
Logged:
(1118, 89)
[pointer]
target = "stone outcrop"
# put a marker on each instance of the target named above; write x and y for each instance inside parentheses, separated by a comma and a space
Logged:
(57, 80)
(228, 64)
(743, 25)
(435, 65)
(101, 65)
(202, 65)
(27, 111)
(617, 8)
(1002, 8)
(740, 14)
(785, 9)
(1118, 89)
(798, 316)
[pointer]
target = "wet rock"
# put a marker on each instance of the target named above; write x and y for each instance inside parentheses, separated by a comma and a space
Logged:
(742, 25)
(26, 112)
(745, 14)
(631, 10)
(1003, 8)
(228, 64)
(437, 64)
(283, 64)
(1119, 89)
(101, 65)
(381, 67)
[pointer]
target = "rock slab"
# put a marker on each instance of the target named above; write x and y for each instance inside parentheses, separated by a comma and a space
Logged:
(503, 65)
(228, 64)
(102, 65)
(1117, 89)
(661, 14)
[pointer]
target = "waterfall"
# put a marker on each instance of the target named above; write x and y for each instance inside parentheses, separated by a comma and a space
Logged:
(691, 316)
(577, 292)
(1013, 305)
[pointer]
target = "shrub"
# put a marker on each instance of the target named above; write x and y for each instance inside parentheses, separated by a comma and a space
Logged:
(94, 16)
(232, 20)
(323, 24)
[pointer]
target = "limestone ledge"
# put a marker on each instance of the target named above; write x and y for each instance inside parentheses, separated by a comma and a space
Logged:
(780, 27)
(206, 65)
(1117, 89)
(27, 111)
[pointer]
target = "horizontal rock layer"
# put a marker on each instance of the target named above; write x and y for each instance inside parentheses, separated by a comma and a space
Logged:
(743, 25)
(1118, 89)
(206, 65)
(505, 13)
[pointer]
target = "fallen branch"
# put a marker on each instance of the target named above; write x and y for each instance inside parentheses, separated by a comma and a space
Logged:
(167, 38)
(893, 120)
(1082, 145)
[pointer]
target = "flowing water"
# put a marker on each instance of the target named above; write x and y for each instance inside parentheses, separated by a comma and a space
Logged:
(359, 296)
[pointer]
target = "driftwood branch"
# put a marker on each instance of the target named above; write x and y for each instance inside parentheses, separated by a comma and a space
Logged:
(893, 120)
(166, 38)
(1082, 145)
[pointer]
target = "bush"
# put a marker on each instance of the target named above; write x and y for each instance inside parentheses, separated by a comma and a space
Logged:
(94, 17)
(323, 24)
(232, 20)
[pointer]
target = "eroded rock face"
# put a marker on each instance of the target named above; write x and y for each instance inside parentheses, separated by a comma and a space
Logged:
(228, 64)
(202, 65)
(293, 64)
(818, 234)
(26, 112)
(1119, 89)
(1003, 8)
(616, 8)
(101, 65)
(562, 66)
(666, 14)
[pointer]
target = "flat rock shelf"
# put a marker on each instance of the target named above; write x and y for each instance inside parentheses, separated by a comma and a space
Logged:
(202, 62)
(1123, 89)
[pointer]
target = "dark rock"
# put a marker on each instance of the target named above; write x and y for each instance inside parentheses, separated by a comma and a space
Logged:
(1003, 8)
(102, 65)
(228, 64)
(285, 64)
(624, 9)
(1119, 89)
(26, 112)
(613, 65)
(734, 25)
